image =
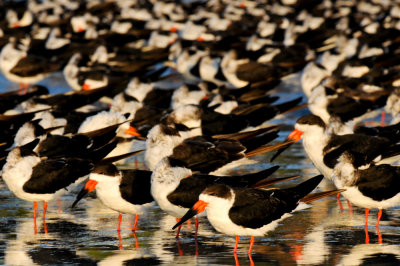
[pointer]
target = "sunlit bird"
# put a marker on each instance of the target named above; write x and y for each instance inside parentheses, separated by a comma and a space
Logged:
(252, 212)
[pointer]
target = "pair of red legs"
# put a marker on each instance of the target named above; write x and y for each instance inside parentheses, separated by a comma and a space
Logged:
(237, 242)
(120, 240)
(237, 260)
(249, 252)
(44, 216)
(134, 228)
(341, 206)
(377, 226)
(196, 222)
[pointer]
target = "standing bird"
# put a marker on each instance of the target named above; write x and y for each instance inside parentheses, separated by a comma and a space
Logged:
(252, 212)
(176, 188)
(368, 186)
(33, 178)
(124, 191)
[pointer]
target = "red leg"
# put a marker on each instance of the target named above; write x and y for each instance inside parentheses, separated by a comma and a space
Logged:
(236, 244)
(119, 222)
(44, 209)
(236, 259)
(366, 235)
(251, 244)
(339, 202)
(366, 226)
(251, 260)
(379, 236)
(136, 221)
(34, 216)
(178, 243)
(136, 240)
(119, 240)
(379, 217)
(45, 226)
(196, 223)
(34, 210)
(383, 116)
(179, 228)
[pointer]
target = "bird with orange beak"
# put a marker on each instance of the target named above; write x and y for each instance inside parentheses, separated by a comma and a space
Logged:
(325, 148)
(249, 211)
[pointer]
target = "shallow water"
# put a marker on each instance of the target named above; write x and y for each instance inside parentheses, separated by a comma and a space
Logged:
(319, 235)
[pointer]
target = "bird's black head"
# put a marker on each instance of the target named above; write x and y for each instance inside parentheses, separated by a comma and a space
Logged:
(219, 190)
(106, 169)
(176, 163)
(311, 120)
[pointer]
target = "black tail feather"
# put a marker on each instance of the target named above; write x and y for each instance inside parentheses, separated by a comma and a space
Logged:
(306, 187)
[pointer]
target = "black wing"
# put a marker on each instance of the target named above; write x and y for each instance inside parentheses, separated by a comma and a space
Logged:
(54, 174)
(205, 155)
(188, 191)
(135, 186)
(379, 182)
(33, 65)
(255, 208)
(63, 146)
(363, 148)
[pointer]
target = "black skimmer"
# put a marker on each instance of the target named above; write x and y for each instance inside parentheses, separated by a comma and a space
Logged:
(175, 187)
(347, 104)
(25, 68)
(183, 143)
(368, 186)
(16, 20)
(32, 178)
(252, 212)
(107, 118)
(324, 150)
(125, 191)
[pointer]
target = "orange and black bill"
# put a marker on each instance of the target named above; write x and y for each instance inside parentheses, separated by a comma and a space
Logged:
(293, 137)
(89, 187)
(197, 208)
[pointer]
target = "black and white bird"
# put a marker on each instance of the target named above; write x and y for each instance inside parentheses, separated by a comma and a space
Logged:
(175, 187)
(34, 178)
(125, 191)
(324, 149)
(252, 212)
(368, 186)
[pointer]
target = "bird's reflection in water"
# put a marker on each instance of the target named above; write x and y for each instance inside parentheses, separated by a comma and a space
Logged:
(372, 254)
(130, 257)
